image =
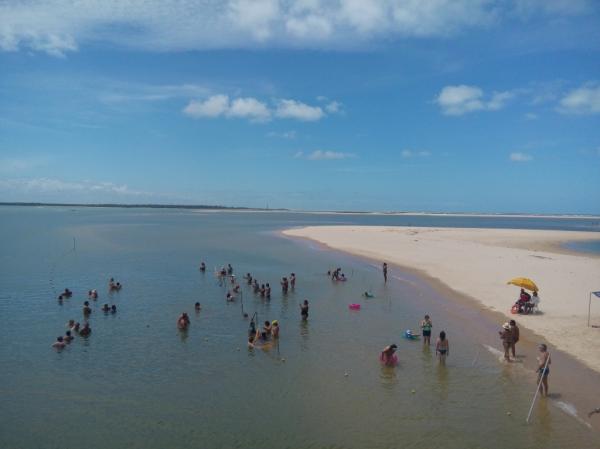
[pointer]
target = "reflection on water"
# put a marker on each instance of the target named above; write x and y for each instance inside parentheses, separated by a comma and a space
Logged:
(138, 382)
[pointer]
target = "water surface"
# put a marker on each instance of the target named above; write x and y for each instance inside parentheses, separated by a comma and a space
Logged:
(139, 383)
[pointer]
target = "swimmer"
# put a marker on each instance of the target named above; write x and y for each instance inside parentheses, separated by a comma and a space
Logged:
(229, 269)
(85, 330)
(68, 337)
(367, 295)
(268, 291)
(236, 289)
(267, 328)
(262, 290)
(248, 278)
(230, 297)
(388, 356)
(543, 370)
(284, 285)
(252, 329)
(304, 310)
(76, 328)
(111, 283)
(183, 321)
(67, 293)
(293, 280)
(255, 286)
(426, 326)
(87, 310)
(202, 267)
(442, 348)
(275, 329)
(93, 294)
(198, 307)
(113, 309)
(59, 343)
(105, 308)
(385, 270)
(70, 324)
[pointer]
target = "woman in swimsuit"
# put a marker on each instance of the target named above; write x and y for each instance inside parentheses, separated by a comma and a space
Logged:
(426, 326)
(543, 368)
(442, 348)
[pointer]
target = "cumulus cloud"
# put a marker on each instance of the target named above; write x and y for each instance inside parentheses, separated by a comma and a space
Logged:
(58, 27)
(583, 100)
(320, 155)
(298, 110)
(462, 99)
(253, 109)
(520, 157)
(221, 106)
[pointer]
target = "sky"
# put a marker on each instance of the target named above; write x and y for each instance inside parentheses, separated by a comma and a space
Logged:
(381, 105)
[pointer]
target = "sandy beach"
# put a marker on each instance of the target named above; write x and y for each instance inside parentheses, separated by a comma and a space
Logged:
(478, 263)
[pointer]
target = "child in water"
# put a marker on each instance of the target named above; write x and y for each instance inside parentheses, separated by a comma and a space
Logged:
(388, 356)
(442, 348)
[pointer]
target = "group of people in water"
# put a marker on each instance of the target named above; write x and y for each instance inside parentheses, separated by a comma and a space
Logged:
(337, 275)
(76, 328)
(388, 355)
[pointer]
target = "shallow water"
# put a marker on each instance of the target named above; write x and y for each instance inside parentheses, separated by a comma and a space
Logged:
(139, 383)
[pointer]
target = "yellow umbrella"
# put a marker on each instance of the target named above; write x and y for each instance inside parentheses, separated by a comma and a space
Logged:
(525, 283)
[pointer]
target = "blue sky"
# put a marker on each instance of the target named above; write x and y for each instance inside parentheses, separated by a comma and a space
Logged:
(464, 105)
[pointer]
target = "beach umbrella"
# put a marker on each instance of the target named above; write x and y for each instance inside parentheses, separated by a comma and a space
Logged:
(525, 283)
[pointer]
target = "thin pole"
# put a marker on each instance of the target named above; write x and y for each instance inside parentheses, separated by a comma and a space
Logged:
(537, 390)
(242, 301)
(73, 243)
(589, 308)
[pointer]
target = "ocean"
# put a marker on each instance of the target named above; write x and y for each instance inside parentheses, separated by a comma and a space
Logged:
(138, 382)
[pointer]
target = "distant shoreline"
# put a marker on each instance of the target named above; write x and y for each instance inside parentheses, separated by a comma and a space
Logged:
(299, 211)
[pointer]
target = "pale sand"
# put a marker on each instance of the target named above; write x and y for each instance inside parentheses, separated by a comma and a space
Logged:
(479, 262)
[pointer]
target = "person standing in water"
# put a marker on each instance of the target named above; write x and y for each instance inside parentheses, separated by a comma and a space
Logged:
(442, 348)
(515, 336)
(506, 336)
(293, 280)
(543, 370)
(426, 326)
(304, 310)
(284, 285)
(385, 269)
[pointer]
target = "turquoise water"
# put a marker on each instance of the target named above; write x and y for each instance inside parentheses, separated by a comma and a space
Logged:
(139, 383)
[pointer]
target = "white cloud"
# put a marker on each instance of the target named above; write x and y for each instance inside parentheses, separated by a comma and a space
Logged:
(410, 153)
(300, 111)
(50, 185)
(583, 100)
(253, 109)
(320, 155)
(333, 107)
(461, 99)
(520, 157)
(212, 107)
(249, 108)
(61, 26)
